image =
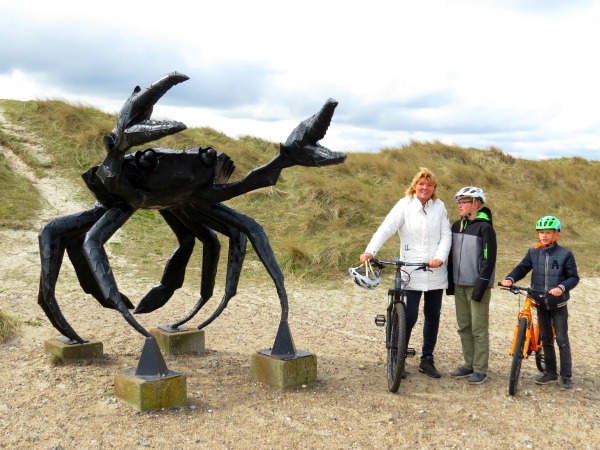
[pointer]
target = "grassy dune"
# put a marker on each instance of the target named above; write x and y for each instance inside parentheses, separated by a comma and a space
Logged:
(319, 220)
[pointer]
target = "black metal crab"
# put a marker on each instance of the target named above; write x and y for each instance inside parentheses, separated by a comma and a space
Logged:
(188, 188)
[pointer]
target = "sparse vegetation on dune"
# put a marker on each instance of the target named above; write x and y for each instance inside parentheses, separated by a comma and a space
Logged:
(9, 327)
(319, 220)
(18, 198)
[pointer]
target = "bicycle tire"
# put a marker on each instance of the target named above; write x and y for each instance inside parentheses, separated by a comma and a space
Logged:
(515, 368)
(539, 360)
(397, 349)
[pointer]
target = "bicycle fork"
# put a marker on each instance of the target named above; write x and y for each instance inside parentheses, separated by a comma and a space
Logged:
(528, 336)
(382, 319)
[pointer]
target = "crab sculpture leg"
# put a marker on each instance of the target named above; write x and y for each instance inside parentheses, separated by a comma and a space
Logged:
(237, 249)
(239, 228)
(93, 247)
(174, 272)
(68, 233)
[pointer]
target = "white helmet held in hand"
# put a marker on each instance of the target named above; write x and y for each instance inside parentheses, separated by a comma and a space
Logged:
(470, 191)
(366, 278)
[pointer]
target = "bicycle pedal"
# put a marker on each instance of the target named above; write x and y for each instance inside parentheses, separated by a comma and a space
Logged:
(411, 352)
(380, 320)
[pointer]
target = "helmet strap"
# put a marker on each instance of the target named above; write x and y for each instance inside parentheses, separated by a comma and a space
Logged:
(552, 242)
(369, 269)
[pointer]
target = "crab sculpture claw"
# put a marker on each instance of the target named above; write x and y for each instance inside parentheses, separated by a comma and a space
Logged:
(302, 147)
(134, 126)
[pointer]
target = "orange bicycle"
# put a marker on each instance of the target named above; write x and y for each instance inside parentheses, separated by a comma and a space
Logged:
(526, 338)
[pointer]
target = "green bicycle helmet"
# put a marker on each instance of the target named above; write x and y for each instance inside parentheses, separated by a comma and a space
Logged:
(548, 223)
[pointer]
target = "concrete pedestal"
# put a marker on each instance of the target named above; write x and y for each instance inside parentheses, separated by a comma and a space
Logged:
(66, 351)
(150, 393)
(283, 373)
(181, 341)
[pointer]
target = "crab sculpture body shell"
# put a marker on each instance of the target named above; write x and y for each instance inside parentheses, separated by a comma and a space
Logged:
(162, 178)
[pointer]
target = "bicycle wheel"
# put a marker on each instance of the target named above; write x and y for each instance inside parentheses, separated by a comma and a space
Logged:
(515, 368)
(397, 348)
(539, 360)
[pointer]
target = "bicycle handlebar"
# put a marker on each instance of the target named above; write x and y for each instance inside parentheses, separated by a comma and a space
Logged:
(514, 289)
(381, 264)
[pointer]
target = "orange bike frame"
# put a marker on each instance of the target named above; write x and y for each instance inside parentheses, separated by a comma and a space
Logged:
(532, 337)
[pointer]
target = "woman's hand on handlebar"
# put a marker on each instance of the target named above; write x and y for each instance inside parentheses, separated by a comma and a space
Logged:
(435, 263)
(506, 283)
(365, 257)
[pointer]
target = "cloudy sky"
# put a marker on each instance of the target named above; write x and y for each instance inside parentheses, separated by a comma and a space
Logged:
(519, 75)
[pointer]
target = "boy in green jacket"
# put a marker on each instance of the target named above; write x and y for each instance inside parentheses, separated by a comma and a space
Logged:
(471, 276)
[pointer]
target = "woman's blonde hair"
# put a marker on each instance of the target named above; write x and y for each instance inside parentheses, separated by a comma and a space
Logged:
(423, 173)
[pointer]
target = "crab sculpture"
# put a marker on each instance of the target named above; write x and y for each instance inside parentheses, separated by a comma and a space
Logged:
(187, 187)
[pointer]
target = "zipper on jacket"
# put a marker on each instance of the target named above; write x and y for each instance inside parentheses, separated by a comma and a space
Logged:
(546, 277)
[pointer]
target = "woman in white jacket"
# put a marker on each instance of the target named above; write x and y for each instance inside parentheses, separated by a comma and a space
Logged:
(422, 222)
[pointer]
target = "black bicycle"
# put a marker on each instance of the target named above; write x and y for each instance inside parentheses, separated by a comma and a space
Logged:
(395, 321)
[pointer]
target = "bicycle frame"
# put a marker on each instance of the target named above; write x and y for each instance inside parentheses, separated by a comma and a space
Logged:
(532, 338)
(526, 338)
(396, 296)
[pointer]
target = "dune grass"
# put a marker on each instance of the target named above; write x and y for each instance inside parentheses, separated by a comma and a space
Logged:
(9, 327)
(319, 220)
(18, 198)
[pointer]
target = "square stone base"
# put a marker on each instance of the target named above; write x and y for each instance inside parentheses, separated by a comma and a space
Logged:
(150, 394)
(283, 373)
(67, 352)
(176, 342)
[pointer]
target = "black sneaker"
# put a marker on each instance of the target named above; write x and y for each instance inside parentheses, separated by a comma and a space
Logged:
(462, 372)
(428, 368)
(565, 383)
(546, 379)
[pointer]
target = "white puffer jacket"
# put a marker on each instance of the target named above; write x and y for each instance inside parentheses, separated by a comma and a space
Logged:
(424, 235)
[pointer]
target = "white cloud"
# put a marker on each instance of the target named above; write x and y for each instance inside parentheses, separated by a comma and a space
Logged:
(473, 72)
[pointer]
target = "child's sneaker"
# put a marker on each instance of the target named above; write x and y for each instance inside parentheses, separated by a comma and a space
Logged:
(477, 378)
(565, 383)
(546, 379)
(462, 372)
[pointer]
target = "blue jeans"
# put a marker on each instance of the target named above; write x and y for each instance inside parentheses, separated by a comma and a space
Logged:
(559, 318)
(432, 308)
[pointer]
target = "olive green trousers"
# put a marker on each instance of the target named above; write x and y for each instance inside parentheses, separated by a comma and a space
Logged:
(473, 327)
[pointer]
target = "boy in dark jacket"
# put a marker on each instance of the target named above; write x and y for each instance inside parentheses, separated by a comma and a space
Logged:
(471, 269)
(553, 271)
